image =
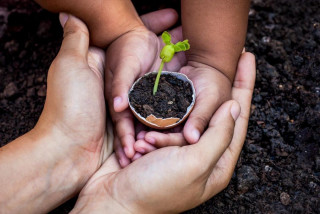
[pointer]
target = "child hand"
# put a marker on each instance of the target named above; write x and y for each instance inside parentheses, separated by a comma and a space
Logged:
(212, 88)
(127, 58)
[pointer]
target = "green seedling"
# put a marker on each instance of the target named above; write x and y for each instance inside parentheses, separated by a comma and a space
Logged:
(167, 54)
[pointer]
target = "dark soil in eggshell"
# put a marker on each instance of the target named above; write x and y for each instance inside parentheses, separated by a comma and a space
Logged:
(172, 99)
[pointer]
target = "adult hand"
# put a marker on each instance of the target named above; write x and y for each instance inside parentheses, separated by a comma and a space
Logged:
(53, 161)
(174, 179)
(129, 57)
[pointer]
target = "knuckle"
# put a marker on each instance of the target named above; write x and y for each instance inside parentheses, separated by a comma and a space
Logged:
(68, 58)
(201, 121)
(76, 31)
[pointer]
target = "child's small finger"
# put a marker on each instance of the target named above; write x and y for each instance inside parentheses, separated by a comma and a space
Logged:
(121, 156)
(136, 156)
(162, 140)
(143, 147)
(140, 135)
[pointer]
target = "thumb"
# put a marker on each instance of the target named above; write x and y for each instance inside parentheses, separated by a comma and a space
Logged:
(160, 20)
(75, 36)
(218, 136)
(125, 73)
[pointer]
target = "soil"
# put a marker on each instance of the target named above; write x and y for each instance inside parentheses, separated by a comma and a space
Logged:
(172, 98)
(279, 167)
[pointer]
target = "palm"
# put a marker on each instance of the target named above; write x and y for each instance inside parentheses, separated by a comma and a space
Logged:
(140, 49)
(212, 89)
(129, 57)
(155, 174)
(78, 109)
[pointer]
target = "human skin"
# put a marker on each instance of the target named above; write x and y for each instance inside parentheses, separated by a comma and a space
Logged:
(123, 66)
(175, 179)
(116, 22)
(106, 19)
(52, 162)
(216, 31)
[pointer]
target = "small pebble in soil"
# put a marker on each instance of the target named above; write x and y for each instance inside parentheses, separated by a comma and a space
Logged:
(285, 198)
(10, 90)
(246, 178)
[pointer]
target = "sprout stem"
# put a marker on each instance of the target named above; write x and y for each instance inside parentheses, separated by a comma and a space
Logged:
(155, 87)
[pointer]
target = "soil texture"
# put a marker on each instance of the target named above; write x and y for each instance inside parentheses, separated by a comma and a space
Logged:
(172, 99)
(279, 168)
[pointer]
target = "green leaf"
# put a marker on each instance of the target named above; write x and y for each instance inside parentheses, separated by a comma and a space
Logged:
(166, 37)
(182, 46)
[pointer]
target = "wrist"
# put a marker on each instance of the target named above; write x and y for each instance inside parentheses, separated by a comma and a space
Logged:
(64, 155)
(47, 174)
(98, 200)
(217, 72)
(64, 162)
(113, 19)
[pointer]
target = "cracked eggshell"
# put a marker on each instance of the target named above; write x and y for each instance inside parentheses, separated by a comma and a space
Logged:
(164, 123)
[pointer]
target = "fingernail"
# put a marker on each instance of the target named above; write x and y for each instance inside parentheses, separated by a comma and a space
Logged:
(117, 101)
(136, 156)
(151, 140)
(195, 135)
(63, 17)
(235, 111)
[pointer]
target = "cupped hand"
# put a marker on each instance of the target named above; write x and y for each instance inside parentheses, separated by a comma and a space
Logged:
(74, 108)
(212, 89)
(174, 179)
(127, 58)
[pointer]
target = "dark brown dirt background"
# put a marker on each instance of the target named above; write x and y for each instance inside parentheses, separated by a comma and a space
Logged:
(279, 168)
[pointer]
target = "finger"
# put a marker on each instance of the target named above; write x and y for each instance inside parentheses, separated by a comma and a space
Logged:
(160, 20)
(141, 135)
(218, 136)
(208, 98)
(160, 140)
(123, 160)
(109, 166)
(125, 73)
(124, 127)
(75, 36)
(143, 147)
(136, 156)
(242, 93)
(140, 130)
(96, 61)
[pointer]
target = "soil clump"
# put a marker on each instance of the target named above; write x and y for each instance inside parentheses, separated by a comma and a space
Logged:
(172, 99)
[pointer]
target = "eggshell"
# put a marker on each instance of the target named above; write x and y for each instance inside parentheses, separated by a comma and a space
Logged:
(164, 123)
